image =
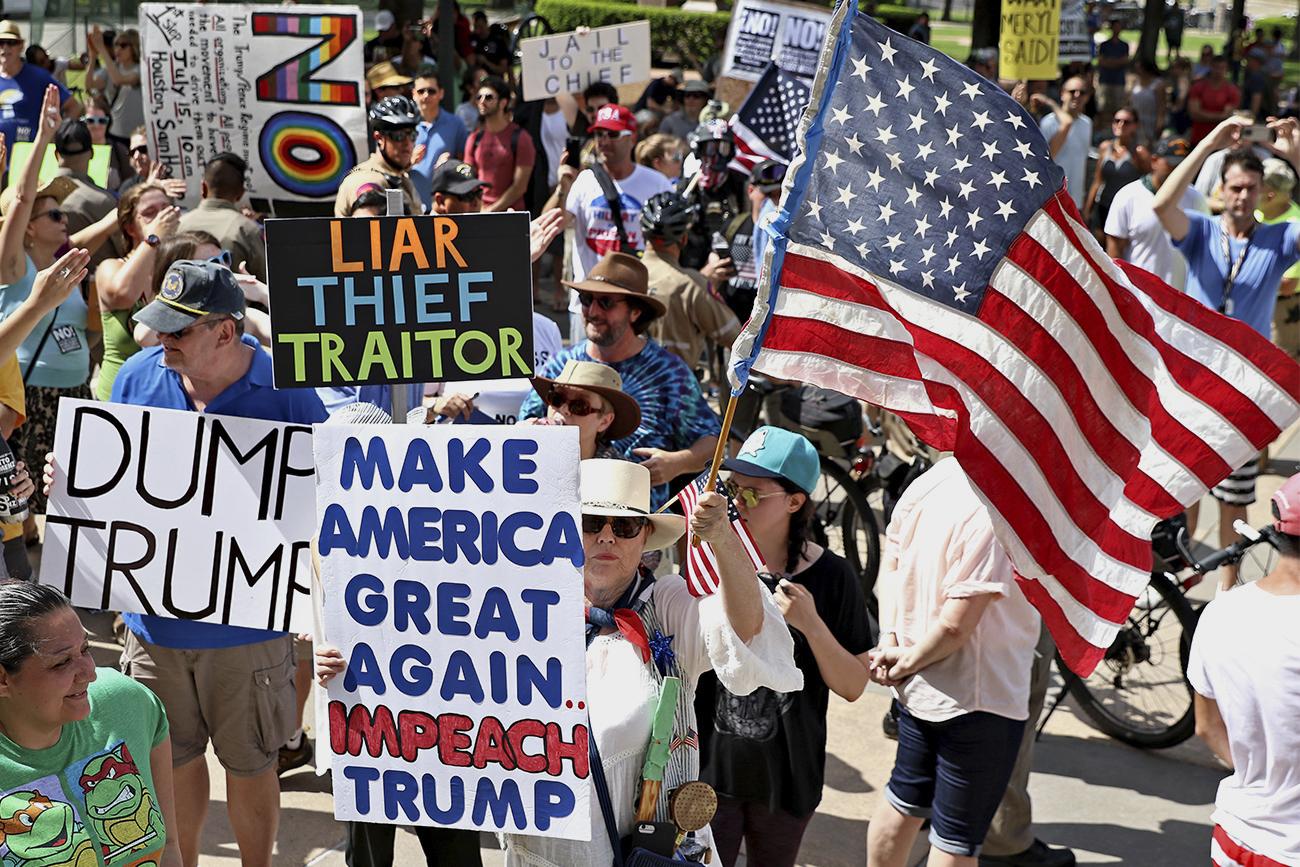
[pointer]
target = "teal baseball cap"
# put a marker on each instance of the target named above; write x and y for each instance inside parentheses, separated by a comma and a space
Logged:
(777, 453)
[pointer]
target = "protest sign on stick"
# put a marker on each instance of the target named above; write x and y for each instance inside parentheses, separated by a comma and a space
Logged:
(1029, 40)
(101, 156)
(451, 582)
(568, 62)
(400, 299)
(280, 86)
(767, 30)
(1075, 43)
(181, 514)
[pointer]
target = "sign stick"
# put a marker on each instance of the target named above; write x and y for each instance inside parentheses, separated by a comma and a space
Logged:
(397, 208)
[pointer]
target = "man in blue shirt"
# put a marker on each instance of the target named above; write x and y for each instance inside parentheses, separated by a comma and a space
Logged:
(228, 684)
(22, 89)
(1234, 263)
(678, 429)
(438, 132)
(1112, 71)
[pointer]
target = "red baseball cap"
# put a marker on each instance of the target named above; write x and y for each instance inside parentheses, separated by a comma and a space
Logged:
(1286, 507)
(616, 118)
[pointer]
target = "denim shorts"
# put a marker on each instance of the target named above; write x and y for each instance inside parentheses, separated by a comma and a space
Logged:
(954, 773)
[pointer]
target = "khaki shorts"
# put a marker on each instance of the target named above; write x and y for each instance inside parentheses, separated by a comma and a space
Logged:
(1111, 98)
(240, 698)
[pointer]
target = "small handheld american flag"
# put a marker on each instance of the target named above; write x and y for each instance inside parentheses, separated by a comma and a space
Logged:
(701, 561)
(767, 124)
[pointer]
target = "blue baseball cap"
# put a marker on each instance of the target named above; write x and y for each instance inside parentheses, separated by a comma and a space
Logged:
(776, 453)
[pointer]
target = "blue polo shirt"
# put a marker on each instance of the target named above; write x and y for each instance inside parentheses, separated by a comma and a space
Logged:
(446, 134)
(145, 381)
(1254, 292)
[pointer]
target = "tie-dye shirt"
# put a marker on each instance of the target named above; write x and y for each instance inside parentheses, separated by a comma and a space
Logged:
(674, 413)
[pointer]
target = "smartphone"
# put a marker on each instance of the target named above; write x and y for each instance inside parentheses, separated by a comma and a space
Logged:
(1259, 133)
(720, 245)
(573, 151)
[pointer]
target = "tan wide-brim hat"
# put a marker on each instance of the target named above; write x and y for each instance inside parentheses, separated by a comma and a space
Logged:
(621, 274)
(613, 487)
(57, 188)
(604, 381)
(9, 32)
(384, 74)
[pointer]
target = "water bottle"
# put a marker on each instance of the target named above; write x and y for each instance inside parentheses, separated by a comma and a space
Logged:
(13, 510)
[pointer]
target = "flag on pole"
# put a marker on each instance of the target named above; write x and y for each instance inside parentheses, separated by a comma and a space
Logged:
(701, 560)
(926, 258)
(767, 122)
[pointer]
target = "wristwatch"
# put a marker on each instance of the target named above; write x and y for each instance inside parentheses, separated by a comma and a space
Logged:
(153, 240)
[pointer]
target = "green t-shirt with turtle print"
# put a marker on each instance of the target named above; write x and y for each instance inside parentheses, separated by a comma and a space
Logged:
(89, 800)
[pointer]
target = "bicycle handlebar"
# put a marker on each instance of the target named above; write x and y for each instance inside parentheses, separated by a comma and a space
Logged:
(1231, 554)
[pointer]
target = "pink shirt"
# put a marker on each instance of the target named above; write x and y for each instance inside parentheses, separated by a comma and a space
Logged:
(939, 546)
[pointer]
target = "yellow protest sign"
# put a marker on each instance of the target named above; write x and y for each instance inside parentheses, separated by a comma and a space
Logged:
(1030, 33)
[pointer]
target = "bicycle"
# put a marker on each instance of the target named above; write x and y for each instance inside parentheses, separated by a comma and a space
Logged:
(1139, 693)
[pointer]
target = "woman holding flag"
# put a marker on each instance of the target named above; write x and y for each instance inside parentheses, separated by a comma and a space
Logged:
(766, 752)
(643, 633)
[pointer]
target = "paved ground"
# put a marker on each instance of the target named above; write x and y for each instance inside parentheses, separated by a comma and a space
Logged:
(1111, 803)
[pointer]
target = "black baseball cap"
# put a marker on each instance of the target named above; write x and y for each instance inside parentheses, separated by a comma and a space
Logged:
(456, 178)
(72, 138)
(192, 289)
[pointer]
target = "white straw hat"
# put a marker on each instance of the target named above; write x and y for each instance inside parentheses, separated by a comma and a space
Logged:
(612, 487)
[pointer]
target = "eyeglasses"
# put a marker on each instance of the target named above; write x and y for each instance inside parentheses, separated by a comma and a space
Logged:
(486, 97)
(611, 134)
(140, 151)
(604, 302)
(748, 497)
(579, 406)
(54, 214)
(399, 135)
(95, 119)
(624, 526)
(425, 91)
(188, 329)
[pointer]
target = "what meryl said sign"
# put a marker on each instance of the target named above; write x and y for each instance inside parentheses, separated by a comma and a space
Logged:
(568, 62)
(181, 514)
(359, 301)
(451, 568)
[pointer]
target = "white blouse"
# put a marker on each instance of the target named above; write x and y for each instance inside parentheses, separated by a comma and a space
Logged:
(622, 694)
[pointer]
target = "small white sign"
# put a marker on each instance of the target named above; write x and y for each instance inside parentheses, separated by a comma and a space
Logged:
(568, 62)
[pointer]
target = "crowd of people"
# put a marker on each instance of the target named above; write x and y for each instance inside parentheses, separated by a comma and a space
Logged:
(651, 237)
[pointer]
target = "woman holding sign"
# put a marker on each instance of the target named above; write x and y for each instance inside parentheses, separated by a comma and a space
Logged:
(642, 631)
(84, 752)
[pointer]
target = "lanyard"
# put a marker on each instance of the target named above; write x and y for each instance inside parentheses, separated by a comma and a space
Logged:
(1234, 267)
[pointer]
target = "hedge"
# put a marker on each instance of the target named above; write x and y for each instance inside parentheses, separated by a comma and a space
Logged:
(900, 18)
(692, 36)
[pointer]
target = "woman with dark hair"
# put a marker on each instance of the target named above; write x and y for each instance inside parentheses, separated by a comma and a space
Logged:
(765, 753)
(87, 745)
(1121, 160)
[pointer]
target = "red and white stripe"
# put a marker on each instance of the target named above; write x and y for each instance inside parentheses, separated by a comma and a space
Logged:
(701, 570)
(750, 150)
(1085, 401)
(1227, 852)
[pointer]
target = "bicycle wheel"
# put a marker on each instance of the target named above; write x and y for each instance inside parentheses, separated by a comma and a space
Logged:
(845, 524)
(1139, 693)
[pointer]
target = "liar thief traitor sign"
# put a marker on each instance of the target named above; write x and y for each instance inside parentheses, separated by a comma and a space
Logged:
(363, 301)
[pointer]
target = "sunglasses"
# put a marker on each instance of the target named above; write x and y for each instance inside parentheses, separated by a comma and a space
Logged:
(748, 497)
(140, 151)
(579, 406)
(486, 97)
(223, 258)
(96, 120)
(188, 329)
(624, 526)
(399, 135)
(425, 91)
(608, 134)
(604, 302)
(54, 214)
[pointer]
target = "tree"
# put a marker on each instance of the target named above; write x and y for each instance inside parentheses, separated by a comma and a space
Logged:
(1152, 19)
(947, 11)
(987, 24)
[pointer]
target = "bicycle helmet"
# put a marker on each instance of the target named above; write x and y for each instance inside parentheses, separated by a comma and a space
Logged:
(392, 113)
(1286, 507)
(667, 216)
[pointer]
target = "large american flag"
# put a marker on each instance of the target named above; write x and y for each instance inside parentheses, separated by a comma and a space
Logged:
(767, 124)
(927, 259)
(701, 560)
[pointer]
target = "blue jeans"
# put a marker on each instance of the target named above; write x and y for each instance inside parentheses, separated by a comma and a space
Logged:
(954, 774)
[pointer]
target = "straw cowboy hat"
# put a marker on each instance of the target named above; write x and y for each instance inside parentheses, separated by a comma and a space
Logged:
(604, 381)
(57, 188)
(621, 274)
(612, 487)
